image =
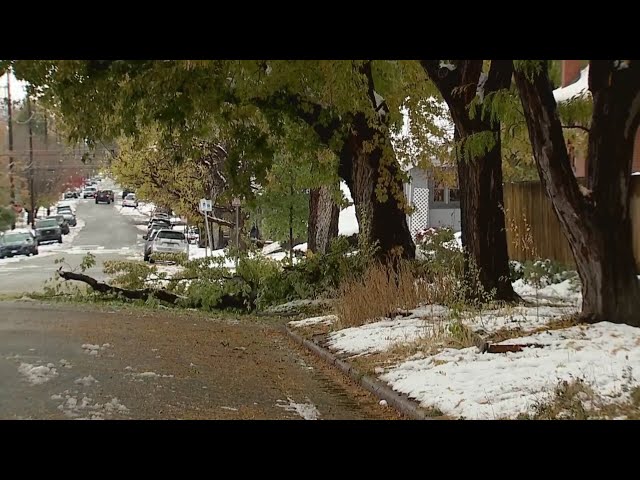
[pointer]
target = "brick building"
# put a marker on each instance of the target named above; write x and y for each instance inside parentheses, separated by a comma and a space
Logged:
(573, 80)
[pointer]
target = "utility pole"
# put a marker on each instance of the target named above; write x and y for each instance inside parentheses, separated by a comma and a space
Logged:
(12, 187)
(31, 189)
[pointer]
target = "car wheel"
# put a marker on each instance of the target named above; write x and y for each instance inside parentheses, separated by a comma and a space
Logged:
(60, 240)
(35, 252)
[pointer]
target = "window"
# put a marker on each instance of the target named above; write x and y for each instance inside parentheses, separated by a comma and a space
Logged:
(454, 195)
(46, 223)
(171, 235)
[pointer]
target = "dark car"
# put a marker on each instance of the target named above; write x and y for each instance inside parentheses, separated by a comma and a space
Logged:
(126, 192)
(17, 243)
(111, 195)
(48, 230)
(62, 223)
(103, 196)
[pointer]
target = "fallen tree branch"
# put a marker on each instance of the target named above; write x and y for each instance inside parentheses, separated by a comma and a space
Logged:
(492, 348)
(130, 294)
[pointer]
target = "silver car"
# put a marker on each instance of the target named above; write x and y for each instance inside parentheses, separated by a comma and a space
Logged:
(165, 241)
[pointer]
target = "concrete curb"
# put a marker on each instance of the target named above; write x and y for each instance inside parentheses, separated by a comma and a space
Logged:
(373, 385)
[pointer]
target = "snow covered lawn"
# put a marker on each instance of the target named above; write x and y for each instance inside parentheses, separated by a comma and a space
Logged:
(410, 352)
(466, 383)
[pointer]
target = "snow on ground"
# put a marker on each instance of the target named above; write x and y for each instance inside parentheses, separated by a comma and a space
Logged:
(86, 381)
(38, 374)
(324, 320)
(141, 376)
(568, 291)
(525, 318)
(308, 411)
(74, 406)
(379, 336)
(90, 349)
(489, 386)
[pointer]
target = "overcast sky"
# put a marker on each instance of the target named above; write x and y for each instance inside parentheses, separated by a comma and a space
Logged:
(17, 88)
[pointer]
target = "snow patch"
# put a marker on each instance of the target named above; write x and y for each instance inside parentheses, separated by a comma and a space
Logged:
(37, 375)
(324, 320)
(466, 383)
(308, 411)
(86, 381)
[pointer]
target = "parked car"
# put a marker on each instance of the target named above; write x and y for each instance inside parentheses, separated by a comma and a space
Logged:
(102, 196)
(165, 241)
(48, 230)
(89, 192)
(62, 223)
(67, 212)
(71, 194)
(130, 201)
(17, 243)
(160, 218)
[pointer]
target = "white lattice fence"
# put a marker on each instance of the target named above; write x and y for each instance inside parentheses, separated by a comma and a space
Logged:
(420, 216)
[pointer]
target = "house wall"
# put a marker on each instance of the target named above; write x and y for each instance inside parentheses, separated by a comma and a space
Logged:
(428, 212)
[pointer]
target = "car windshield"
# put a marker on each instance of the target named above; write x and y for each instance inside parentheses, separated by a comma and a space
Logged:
(15, 237)
(170, 235)
(64, 210)
(131, 196)
(49, 222)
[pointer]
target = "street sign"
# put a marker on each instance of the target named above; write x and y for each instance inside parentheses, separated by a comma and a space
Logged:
(236, 202)
(206, 205)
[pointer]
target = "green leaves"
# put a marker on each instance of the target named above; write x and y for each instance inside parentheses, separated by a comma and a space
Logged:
(529, 67)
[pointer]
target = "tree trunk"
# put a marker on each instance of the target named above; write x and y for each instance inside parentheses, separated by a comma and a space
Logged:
(323, 220)
(381, 221)
(483, 226)
(480, 179)
(595, 220)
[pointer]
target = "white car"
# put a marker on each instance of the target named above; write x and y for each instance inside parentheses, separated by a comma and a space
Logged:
(89, 192)
(165, 241)
(130, 201)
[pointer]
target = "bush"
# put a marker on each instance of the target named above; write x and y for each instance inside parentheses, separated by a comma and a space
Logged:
(7, 218)
(441, 254)
(542, 273)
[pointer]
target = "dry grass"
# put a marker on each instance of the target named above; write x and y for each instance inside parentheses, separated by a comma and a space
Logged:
(577, 401)
(383, 290)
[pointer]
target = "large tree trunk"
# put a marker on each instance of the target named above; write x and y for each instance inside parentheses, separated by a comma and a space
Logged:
(595, 220)
(480, 179)
(323, 220)
(483, 226)
(381, 219)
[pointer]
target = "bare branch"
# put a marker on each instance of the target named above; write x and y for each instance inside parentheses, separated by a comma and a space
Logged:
(577, 126)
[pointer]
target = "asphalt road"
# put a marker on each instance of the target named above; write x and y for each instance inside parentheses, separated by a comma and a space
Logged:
(149, 364)
(106, 233)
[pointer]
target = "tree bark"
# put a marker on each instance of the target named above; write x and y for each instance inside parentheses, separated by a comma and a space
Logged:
(596, 219)
(381, 221)
(480, 180)
(323, 220)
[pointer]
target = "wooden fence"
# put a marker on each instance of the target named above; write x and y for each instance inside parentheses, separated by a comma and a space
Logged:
(533, 231)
